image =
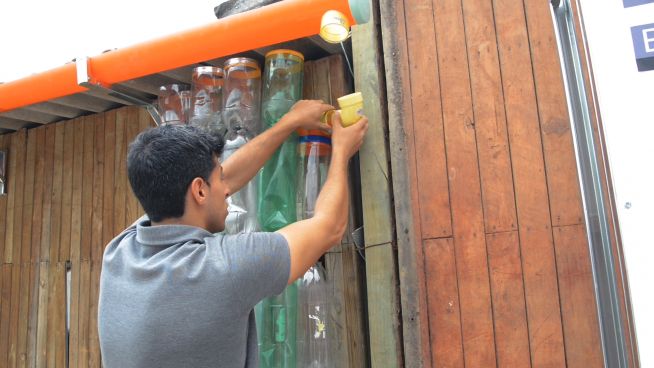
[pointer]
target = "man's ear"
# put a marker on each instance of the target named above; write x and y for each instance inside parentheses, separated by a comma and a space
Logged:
(198, 190)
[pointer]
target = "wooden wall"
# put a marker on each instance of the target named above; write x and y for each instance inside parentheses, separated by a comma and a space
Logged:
(482, 149)
(68, 195)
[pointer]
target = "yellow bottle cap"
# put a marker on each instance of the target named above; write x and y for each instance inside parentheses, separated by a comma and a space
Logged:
(351, 99)
(351, 108)
(334, 27)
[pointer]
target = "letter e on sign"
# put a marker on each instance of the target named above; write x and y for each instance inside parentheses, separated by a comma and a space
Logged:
(643, 39)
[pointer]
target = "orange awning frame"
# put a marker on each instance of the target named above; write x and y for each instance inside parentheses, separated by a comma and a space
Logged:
(279, 22)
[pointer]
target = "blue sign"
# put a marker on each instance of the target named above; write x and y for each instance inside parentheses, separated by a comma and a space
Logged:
(630, 3)
(643, 37)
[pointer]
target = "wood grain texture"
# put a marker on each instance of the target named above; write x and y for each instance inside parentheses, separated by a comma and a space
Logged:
(86, 211)
(46, 234)
(444, 304)
(378, 153)
(580, 322)
(465, 192)
(427, 130)
(97, 223)
(509, 309)
(5, 312)
(489, 117)
(67, 190)
(560, 162)
(532, 201)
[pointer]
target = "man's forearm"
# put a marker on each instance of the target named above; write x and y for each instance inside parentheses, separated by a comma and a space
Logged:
(334, 198)
(244, 164)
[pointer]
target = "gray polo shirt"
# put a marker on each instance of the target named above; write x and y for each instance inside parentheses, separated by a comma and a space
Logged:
(179, 296)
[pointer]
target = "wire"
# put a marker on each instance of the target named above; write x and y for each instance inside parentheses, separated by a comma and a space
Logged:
(349, 66)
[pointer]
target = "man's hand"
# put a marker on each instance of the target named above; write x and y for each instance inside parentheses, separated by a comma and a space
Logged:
(347, 141)
(306, 114)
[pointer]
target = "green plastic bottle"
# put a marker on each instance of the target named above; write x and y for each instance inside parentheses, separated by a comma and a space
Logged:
(277, 316)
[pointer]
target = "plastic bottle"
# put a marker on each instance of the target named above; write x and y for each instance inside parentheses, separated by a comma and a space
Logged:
(282, 88)
(241, 115)
(171, 104)
(207, 99)
(277, 316)
(315, 330)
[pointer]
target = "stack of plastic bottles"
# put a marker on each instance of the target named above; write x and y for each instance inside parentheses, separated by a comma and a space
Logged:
(277, 316)
(241, 115)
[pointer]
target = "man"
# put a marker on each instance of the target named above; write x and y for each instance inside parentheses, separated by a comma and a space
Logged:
(176, 293)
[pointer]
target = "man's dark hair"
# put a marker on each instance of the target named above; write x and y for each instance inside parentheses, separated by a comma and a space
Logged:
(162, 162)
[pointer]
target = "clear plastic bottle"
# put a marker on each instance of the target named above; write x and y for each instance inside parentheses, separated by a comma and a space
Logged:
(315, 330)
(241, 115)
(315, 152)
(242, 98)
(277, 316)
(282, 88)
(171, 104)
(207, 99)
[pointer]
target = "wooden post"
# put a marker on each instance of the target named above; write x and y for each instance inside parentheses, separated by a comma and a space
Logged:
(381, 263)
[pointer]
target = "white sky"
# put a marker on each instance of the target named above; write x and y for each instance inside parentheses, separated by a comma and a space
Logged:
(37, 35)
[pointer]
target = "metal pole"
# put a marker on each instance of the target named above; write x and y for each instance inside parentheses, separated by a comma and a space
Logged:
(597, 224)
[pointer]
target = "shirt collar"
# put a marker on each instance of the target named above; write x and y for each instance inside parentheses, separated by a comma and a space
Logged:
(168, 234)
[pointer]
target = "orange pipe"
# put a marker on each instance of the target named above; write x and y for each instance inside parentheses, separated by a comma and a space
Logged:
(280, 22)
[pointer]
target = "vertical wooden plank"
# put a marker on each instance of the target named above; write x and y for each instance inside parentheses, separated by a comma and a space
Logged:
(321, 90)
(73, 336)
(384, 343)
(56, 206)
(18, 144)
(77, 185)
(67, 190)
(465, 193)
(4, 144)
(29, 164)
(18, 147)
(83, 318)
(51, 315)
(23, 300)
(36, 229)
(427, 134)
(36, 222)
(390, 341)
(120, 172)
(564, 193)
(489, 117)
(583, 344)
(532, 202)
(109, 174)
(509, 310)
(59, 317)
(13, 315)
(444, 305)
(42, 318)
(5, 312)
(97, 223)
(87, 188)
(48, 177)
(94, 360)
(353, 279)
(11, 198)
(145, 122)
(131, 203)
(26, 247)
